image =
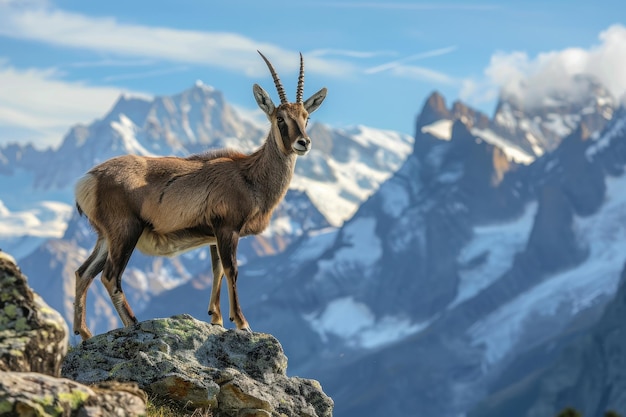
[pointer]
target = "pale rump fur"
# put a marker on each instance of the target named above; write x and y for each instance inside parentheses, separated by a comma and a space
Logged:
(167, 205)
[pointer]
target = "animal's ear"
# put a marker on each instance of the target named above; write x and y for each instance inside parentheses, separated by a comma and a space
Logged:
(263, 100)
(313, 102)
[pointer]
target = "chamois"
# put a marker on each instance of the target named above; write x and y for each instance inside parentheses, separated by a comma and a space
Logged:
(167, 205)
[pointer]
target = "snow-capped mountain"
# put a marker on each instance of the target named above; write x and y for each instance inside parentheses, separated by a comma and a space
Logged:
(525, 133)
(344, 167)
(40, 227)
(465, 269)
(540, 127)
(587, 371)
(466, 272)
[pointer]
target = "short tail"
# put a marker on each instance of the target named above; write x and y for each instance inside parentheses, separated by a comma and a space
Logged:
(80, 210)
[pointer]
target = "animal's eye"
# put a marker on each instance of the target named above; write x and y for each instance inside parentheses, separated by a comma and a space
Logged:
(280, 119)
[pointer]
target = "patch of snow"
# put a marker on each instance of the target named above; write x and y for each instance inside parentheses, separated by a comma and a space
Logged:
(317, 243)
(598, 277)
(618, 129)
(361, 248)
(562, 125)
(499, 243)
(512, 152)
(534, 144)
(338, 200)
(395, 198)
(441, 129)
(355, 323)
(505, 117)
(126, 129)
(387, 139)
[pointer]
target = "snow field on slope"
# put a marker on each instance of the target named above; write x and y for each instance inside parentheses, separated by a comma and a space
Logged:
(356, 325)
(344, 317)
(604, 233)
(500, 243)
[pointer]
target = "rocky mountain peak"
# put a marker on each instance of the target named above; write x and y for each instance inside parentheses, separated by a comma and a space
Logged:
(472, 118)
(539, 123)
(434, 109)
(134, 107)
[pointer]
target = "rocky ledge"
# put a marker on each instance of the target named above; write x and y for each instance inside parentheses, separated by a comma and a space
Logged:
(230, 372)
(179, 359)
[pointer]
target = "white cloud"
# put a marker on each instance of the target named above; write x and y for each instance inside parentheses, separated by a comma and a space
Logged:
(38, 105)
(44, 104)
(530, 79)
(219, 49)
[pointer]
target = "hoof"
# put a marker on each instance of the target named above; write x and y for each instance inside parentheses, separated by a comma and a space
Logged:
(218, 324)
(231, 319)
(246, 329)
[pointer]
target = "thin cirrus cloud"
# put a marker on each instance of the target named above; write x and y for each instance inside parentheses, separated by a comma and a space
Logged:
(399, 68)
(349, 53)
(224, 50)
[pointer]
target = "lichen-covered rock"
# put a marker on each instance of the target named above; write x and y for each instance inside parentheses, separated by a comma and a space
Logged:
(33, 337)
(231, 372)
(32, 394)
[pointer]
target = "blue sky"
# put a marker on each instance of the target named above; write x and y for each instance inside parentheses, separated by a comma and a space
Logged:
(65, 62)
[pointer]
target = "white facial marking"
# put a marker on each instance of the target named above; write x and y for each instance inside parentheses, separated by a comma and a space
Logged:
(302, 146)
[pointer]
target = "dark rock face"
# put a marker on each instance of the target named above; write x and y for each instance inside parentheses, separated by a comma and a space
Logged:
(552, 244)
(588, 375)
(33, 337)
(434, 109)
(200, 365)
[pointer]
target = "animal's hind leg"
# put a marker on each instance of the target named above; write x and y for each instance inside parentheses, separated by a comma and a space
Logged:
(119, 254)
(214, 303)
(84, 277)
(227, 246)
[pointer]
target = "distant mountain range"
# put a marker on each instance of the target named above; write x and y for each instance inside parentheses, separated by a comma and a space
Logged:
(40, 227)
(468, 271)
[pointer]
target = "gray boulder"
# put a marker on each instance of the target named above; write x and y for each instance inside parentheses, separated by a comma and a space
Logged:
(33, 342)
(32, 394)
(33, 337)
(231, 372)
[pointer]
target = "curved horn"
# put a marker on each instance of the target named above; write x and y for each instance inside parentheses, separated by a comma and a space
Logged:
(300, 89)
(279, 86)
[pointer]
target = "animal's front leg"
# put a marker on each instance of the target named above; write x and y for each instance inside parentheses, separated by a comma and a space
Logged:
(214, 304)
(227, 247)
